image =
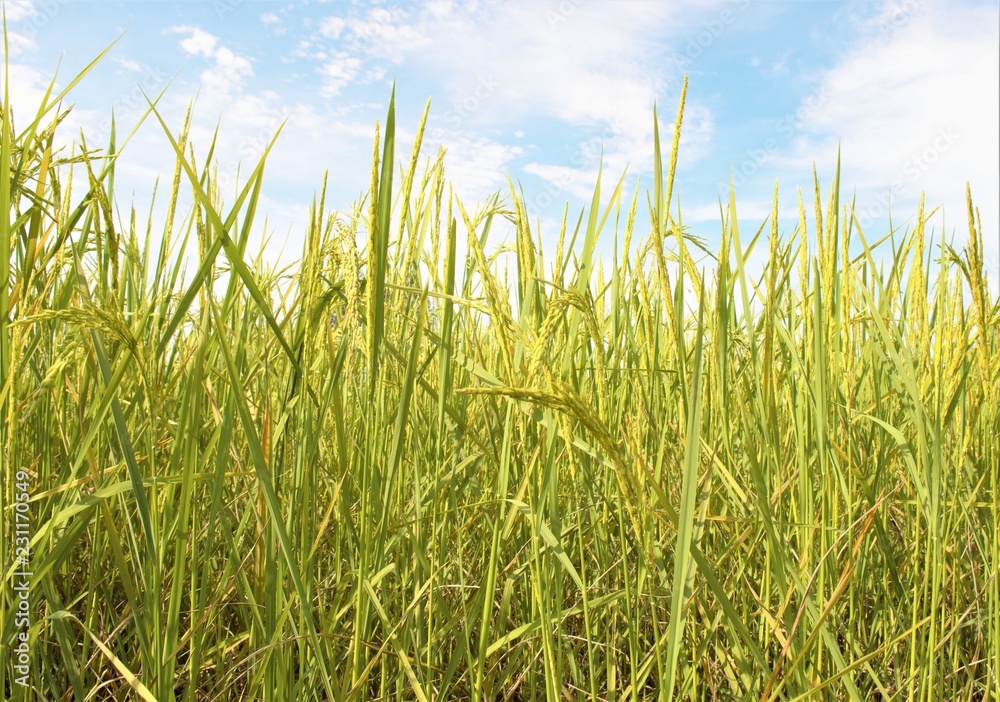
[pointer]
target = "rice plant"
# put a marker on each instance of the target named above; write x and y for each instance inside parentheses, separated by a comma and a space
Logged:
(394, 473)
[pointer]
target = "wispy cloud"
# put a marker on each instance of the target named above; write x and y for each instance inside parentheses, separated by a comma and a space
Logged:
(591, 66)
(198, 41)
(338, 72)
(227, 71)
(916, 107)
(17, 10)
(478, 165)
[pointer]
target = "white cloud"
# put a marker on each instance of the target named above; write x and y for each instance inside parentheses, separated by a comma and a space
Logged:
(17, 10)
(20, 38)
(753, 212)
(440, 8)
(331, 27)
(916, 108)
(128, 65)
(26, 89)
(377, 35)
(476, 166)
(198, 42)
(17, 43)
(575, 181)
(388, 33)
(591, 67)
(228, 69)
(273, 22)
(338, 72)
(231, 67)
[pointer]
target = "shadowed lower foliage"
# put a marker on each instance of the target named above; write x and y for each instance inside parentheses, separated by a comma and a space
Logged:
(398, 472)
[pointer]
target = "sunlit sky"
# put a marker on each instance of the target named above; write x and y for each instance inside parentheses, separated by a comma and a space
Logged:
(536, 89)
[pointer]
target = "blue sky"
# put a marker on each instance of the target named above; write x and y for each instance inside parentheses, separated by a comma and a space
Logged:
(908, 89)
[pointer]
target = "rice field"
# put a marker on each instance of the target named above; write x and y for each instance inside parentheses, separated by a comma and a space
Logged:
(395, 471)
